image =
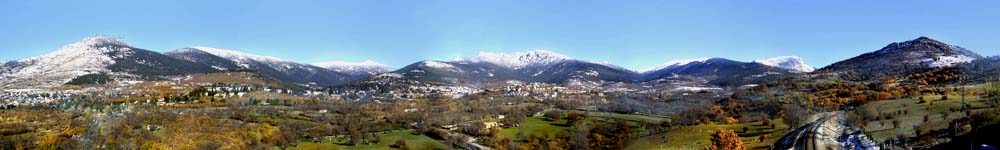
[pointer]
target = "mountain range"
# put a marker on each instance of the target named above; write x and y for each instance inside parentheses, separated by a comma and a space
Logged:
(364, 68)
(104, 59)
(226, 60)
(719, 71)
(530, 66)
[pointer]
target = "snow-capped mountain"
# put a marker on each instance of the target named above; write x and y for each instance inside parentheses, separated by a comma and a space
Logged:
(367, 67)
(788, 62)
(281, 69)
(100, 55)
(517, 60)
(56, 68)
(902, 58)
(243, 59)
(530, 66)
(717, 71)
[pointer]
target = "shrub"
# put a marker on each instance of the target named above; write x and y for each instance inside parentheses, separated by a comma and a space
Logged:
(731, 120)
(400, 144)
(724, 139)
(552, 115)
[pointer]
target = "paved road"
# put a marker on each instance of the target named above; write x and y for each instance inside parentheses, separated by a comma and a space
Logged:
(471, 144)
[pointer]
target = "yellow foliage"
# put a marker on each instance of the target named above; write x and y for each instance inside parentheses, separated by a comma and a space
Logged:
(49, 141)
(555, 145)
(724, 139)
(731, 120)
(75, 131)
(153, 146)
(264, 133)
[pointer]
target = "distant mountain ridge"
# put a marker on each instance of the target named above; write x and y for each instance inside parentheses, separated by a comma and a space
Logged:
(364, 68)
(103, 57)
(719, 71)
(281, 69)
(672, 64)
(517, 60)
(531, 66)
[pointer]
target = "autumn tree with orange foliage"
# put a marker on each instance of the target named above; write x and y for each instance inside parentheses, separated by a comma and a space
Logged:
(731, 120)
(724, 139)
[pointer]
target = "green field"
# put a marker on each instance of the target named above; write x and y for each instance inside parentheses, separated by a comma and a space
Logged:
(536, 125)
(697, 136)
(691, 137)
(935, 109)
(413, 141)
(629, 117)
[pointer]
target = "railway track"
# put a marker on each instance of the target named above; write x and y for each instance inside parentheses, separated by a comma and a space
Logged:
(805, 137)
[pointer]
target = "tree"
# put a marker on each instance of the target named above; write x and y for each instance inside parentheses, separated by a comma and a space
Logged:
(993, 90)
(724, 139)
(578, 140)
(895, 123)
(474, 129)
(552, 115)
(572, 117)
(355, 135)
(792, 114)
(455, 140)
(504, 144)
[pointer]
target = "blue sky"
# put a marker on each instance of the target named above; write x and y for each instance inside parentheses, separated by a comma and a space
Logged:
(634, 34)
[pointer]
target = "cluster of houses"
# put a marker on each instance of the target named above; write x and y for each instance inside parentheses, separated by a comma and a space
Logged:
(16, 97)
(23, 97)
(536, 90)
(409, 92)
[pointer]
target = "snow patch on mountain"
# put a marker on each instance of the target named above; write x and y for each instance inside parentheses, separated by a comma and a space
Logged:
(766, 74)
(88, 56)
(517, 60)
(247, 60)
(389, 75)
(673, 63)
(942, 61)
(367, 67)
(237, 55)
(440, 65)
(794, 63)
(695, 88)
